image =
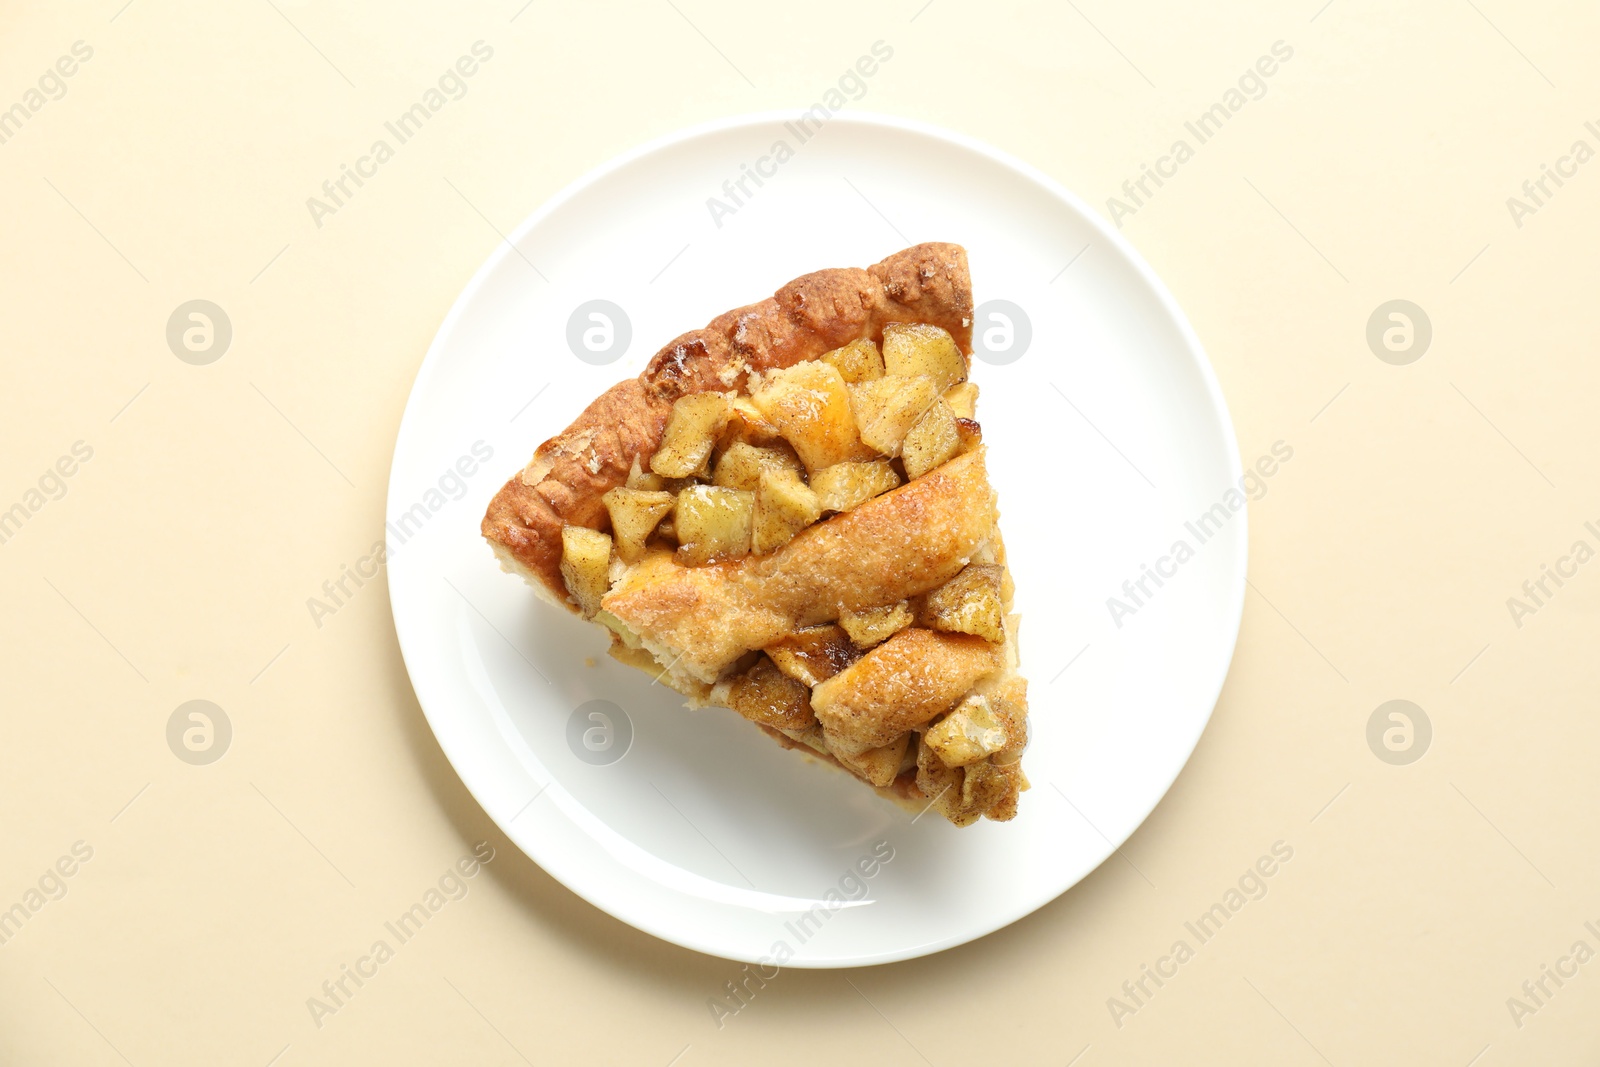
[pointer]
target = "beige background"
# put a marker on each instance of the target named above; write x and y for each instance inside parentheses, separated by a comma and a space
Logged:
(177, 565)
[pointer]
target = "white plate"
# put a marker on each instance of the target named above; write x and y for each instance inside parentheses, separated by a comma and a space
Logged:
(1105, 437)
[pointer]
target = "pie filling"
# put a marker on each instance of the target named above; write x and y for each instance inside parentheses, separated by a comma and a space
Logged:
(819, 551)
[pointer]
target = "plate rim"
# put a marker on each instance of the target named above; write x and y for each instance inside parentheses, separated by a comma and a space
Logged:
(691, 938)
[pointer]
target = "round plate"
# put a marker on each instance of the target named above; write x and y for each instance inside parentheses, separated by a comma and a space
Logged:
(1109, 443)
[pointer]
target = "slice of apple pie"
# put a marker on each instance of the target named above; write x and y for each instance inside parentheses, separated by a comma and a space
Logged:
(788, 514)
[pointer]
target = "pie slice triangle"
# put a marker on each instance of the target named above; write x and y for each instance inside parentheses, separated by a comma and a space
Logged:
(788, 514)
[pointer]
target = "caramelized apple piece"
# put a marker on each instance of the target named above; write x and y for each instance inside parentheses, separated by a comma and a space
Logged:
(990, 789)
(691, 432)
(933, 441)
(814, 654)
(969, 603)
(766, 695)
(785, 505)
(1008, 706)
(887, 408)
(963, 399)
(968, 733)
(712, 523)
(873, 626)
(635, 513)
(585, 566)
(912, 348)
(741, 464)
(857, 361)
(845, 486)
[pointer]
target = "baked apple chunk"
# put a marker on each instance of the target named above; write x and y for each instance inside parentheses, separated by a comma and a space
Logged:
(789, 514)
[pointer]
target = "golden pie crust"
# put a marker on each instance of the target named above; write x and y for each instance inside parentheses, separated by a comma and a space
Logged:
(841, 642)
